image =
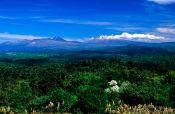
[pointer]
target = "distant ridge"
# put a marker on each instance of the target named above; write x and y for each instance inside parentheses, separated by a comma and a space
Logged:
(57, 38)
(58, 43)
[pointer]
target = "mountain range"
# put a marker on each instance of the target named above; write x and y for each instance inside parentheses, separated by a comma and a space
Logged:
(59, 44)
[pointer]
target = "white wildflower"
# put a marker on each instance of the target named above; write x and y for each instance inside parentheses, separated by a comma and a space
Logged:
(112, 83)
(113, 87)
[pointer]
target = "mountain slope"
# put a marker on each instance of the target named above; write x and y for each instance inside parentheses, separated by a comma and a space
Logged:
(55, 43)
(60, 44)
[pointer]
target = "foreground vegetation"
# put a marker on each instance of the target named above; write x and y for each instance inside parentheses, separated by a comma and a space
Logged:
(88, 86)
(139, 109)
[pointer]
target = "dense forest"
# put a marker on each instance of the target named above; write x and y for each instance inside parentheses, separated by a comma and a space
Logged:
(87, 85)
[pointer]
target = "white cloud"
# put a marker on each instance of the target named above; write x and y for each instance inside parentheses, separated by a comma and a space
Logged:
(19, 36)
(166, 30)
(70, 21)
(133, 37)
(163, 2)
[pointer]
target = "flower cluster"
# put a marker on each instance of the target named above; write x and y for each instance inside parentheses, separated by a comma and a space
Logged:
(113, 87)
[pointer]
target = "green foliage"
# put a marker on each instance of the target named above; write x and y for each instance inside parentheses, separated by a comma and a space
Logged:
(79, 86)
(91, 99)
(20, 96)
(64, 98)
(86, 79)
(39, 103)
(170, 78)
(172, 96)
(146, 93)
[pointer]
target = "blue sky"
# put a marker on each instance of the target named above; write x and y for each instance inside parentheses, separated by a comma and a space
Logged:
(83, 19)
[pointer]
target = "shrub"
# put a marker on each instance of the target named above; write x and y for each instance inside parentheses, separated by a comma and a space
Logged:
(64, 99)
(91, 99)
(20, 96)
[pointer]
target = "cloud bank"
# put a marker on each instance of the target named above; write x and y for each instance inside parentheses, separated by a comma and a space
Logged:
(19, 36)
(133, 37)
(163, 2)
(123, 36)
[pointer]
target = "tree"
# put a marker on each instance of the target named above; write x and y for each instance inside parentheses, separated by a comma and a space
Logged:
(20, 96)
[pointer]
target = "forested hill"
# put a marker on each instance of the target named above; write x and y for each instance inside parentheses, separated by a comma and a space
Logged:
(80, 81)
